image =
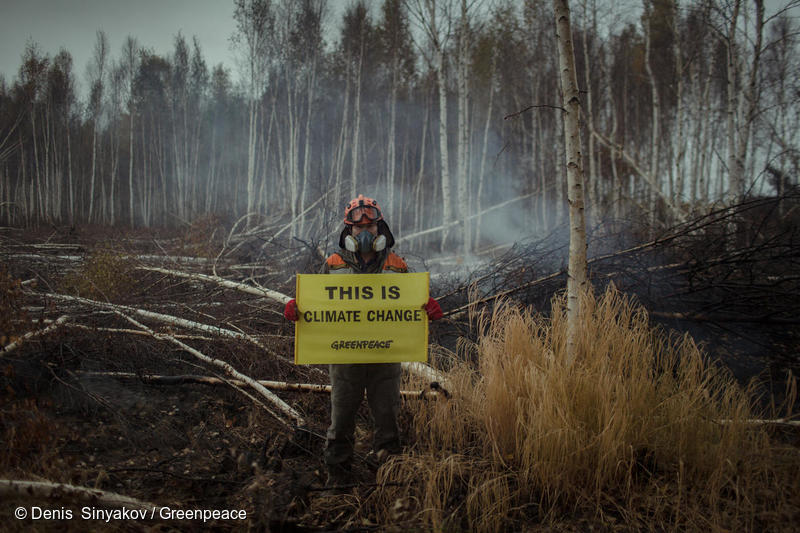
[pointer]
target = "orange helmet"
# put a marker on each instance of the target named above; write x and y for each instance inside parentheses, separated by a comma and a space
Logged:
(360, 208)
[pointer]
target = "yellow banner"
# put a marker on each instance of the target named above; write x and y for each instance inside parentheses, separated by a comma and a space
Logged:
(361, 318)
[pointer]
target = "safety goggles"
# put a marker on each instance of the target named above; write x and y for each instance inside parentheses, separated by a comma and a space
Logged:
(357, 214)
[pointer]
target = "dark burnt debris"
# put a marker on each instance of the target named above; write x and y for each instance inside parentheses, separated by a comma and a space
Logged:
(75, 407)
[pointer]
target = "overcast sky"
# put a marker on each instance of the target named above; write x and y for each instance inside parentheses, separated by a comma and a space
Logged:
(73, 24)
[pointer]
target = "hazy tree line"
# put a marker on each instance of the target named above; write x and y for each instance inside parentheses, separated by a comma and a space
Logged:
(441, 109)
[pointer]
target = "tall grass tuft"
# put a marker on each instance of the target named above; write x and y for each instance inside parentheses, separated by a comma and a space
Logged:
(640, 429)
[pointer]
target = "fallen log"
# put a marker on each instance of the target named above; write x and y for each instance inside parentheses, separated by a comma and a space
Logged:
(426, 372)
(53, 491)
(242, 287)
(160, 317)
(762, 422)
(31, 334)
(229, 369)
(134, 332)
(421, 369)
(208, 380)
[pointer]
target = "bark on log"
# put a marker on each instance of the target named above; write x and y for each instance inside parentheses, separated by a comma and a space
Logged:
(135, 332)
(242, 287)
(208, 380)
(762, 422)
(45, 489)
(31, 334)
(229, 369)
(160, 317)
(421, 369)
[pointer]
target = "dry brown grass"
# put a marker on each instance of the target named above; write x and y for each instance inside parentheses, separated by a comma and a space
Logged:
(14, 320)
(105, 275)
(629, 435)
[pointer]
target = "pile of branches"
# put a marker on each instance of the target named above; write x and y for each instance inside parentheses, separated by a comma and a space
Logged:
(728, 276)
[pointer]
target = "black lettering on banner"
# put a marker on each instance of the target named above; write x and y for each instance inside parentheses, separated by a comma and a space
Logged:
(393, 293)
(394, 315)
(350, 293)
(362, 345)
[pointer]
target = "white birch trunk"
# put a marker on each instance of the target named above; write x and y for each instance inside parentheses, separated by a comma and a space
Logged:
(736, 188)
(447, 214)
(749, 103)
(463, 132)
(655, 132)
(592, 176)
(680, 141)
(357, 130)
(577, 276)
(94, 166)
(49, 491)
(484, 150)
(391, 145)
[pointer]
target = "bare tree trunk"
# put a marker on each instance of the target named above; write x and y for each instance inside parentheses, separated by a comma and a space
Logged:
(70, 182)
(307, 180)
(462, 157)
(680, 140)
(391, 158)
(749, 101)
(446, 201)
(655, 133)
(356, 131)
(94, 170)
(484, 150)
(577, 275)
(592, 177)
(736, 187)
(252, 127)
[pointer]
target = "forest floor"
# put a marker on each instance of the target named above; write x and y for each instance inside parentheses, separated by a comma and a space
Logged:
(178, 445)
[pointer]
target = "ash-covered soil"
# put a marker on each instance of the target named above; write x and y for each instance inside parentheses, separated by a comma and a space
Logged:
(80, 405)
(65, 419)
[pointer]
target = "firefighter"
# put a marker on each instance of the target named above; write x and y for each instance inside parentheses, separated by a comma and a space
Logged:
(365, 248)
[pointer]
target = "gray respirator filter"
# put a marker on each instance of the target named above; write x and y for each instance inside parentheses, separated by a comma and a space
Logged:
(365, 242)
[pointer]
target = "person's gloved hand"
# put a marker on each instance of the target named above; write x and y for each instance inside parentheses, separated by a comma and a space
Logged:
(433, 309)
(290, 311)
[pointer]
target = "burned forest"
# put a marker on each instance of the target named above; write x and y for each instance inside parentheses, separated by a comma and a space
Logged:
(158, 366)
(605, 200)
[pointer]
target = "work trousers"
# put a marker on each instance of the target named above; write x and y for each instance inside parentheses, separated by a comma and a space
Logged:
(382, 384)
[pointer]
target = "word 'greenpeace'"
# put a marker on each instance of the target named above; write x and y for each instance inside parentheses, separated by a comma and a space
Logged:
(361, 345)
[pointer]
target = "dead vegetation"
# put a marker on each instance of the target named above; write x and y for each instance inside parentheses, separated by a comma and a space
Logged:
(641, 431)
(128, 360)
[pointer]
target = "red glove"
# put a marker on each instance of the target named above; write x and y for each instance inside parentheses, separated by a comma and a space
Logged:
(433, 309)
(290, 311)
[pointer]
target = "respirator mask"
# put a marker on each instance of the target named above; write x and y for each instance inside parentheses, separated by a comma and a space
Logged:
(365, 242)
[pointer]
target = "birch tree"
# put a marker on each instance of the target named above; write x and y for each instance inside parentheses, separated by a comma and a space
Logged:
(577, 273)
(434, 19)
(395, 41)
(130, 61)
(255, 24)
(97, 76)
